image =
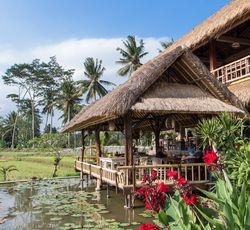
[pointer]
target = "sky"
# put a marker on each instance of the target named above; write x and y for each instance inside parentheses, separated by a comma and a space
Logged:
(73, 30)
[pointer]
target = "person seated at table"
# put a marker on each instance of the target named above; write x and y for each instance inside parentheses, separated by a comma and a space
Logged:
(151, 151)
(194, 153)
(191, 153)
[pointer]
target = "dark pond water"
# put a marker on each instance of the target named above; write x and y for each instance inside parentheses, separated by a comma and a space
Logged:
(65, 205)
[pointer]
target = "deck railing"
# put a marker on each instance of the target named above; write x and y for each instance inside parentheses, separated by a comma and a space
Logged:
(124, 176)
(233, 71)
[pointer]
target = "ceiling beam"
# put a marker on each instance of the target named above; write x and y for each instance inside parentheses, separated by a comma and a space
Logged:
(229, 39)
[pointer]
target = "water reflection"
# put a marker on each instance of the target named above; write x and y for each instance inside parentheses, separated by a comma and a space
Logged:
(61, 204)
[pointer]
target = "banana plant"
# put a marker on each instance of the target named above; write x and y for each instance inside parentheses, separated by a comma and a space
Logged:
(5, 170)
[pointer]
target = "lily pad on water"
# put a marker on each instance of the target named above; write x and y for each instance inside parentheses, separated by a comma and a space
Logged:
(124, 224)
(104, 211)
(55, 218)
(88, 226)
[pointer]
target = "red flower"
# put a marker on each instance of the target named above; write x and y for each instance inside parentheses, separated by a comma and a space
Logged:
(181, 181)
(162, 187)
(149, 227)
(191, 200)
(172, 174)
(154, 173)
(210, 157)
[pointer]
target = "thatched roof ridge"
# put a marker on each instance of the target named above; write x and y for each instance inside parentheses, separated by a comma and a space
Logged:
(220, 22)
(119, 101)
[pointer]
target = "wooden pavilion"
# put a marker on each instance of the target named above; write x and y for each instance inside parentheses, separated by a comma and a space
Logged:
(174, 85)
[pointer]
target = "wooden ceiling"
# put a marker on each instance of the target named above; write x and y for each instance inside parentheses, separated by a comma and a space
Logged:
(225, 52)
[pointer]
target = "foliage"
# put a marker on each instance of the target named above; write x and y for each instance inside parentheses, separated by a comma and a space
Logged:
(166, 44)
(226, 206)
(131, 56)
(69, 99)
(57, 160)
(94, 85)
(222, 133)
(152, 193)
(5, 170)
(51, 141)
(238, 167)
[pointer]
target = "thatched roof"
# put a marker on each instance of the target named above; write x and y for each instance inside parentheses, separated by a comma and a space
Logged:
(176, 68)
(180, 98)
(222, 21)
(242, 91)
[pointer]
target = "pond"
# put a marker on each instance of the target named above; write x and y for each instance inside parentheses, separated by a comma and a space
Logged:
(64, 205)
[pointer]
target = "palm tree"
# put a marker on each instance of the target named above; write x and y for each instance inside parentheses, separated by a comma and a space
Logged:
(69, 97)
(131, 56)
(10, 131)
(93, 86)
(49, 103)
(166, 44)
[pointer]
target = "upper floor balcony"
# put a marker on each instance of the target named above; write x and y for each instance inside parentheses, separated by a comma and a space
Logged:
(233, 71)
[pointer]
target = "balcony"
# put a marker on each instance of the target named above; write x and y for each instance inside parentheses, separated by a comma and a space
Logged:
(233, 71)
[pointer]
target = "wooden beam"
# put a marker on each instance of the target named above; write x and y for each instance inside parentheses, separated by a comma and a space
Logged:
(230, 39)
(212, 55)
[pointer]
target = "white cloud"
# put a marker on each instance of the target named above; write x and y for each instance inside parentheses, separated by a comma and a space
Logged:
(71, 54)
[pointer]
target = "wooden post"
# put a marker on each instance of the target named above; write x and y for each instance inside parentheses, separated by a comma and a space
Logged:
(212, 55)
(129, 157)
(98, 155)
(157, 127)
(83, 145)
(82, 156)
(98, 145)
(128, 140)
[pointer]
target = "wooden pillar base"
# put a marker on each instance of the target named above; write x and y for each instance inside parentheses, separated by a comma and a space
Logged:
(129, 198)
(98, 185)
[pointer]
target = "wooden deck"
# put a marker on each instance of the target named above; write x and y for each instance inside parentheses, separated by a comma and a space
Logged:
(131, 176)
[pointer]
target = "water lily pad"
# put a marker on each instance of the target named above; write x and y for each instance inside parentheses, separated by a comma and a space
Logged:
(88, 226)
(55, 218)
(124, 224)
(104, 211)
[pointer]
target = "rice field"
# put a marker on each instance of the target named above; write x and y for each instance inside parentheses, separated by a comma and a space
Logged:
(36, 164)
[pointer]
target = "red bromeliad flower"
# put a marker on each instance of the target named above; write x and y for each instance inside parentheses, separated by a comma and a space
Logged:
(181, 181)
(162, 187)
(172, 174)
(153, 194)
(149, 226)
(210, 157)
(191, 200)
(154, 173)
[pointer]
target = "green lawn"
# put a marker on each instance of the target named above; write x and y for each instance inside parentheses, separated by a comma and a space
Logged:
(36, 164)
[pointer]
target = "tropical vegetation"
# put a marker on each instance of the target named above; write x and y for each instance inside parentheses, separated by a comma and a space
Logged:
(41, 90)
(227, 204)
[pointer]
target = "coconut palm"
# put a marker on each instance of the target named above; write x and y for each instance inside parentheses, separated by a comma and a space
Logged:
(69, 97)
(131, 56)
(93, 86)
(166, 44)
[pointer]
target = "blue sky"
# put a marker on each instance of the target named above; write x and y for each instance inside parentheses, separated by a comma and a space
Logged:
(75, 29)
